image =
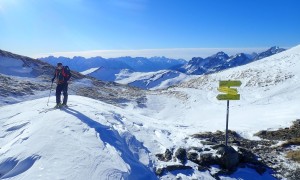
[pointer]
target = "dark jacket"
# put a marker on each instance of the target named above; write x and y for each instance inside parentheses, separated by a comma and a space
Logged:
(61, 76)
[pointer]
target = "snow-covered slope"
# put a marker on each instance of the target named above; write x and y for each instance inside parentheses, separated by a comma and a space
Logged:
(105, 74)
(270, 97)
(81, 142)
(152, 80)
(89, 71)
(90, 140)
(22, 66)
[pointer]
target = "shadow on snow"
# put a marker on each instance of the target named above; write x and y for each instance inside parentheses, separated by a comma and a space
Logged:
(112, 137)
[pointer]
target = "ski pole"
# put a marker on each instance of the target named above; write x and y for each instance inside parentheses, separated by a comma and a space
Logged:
(49, 93)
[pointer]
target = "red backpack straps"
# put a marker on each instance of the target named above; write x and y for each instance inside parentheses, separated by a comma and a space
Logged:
(63, 72)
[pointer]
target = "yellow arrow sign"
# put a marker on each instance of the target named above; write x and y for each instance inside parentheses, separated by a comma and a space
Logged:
(228, 97)
(227, 90)
(230, 83)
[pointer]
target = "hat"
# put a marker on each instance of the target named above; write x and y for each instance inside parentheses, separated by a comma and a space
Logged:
(59, 64)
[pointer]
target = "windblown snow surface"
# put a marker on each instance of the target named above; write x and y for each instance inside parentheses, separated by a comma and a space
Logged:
(95, 140)
(88, 140)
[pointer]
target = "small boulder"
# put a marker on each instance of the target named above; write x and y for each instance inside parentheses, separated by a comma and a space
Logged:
(167, 156)
(180, 154)
(193, 156)
(170, 168)
(247, 156)
(229, 157)
(207, 159)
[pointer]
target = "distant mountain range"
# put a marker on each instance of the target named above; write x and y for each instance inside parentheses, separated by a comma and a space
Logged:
(137, 64)
(196, 65)
(221, 61)
(156, 72)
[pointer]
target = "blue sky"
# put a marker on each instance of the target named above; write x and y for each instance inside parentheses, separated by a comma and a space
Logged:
(152, 27)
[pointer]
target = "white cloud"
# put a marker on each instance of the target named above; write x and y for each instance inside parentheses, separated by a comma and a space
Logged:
(184, 53)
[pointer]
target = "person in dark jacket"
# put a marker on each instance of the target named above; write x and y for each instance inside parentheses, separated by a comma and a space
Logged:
(62, 77)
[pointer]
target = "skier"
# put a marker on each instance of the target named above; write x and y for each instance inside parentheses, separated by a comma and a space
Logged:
(62, 75)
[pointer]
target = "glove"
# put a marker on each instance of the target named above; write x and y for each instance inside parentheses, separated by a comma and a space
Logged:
(52, 80)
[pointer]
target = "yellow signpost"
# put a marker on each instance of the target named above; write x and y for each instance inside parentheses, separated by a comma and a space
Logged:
(230, 83)
(228, 97)
(227, 90)
(230, 94)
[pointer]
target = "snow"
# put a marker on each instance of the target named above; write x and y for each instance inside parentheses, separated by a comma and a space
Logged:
(14, 67)
(88, 140)
(89, 71)
(76, 143)
(152, 80)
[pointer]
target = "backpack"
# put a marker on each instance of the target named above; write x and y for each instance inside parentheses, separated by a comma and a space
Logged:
(64, 75)
(66, 72)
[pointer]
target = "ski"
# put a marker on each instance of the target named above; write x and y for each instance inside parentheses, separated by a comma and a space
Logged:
(55, 108)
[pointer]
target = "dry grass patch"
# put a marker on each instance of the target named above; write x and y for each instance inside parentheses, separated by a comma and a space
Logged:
(294, 155)
(294, 141)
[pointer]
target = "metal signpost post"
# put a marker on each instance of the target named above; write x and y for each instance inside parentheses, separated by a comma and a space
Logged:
(231, 94)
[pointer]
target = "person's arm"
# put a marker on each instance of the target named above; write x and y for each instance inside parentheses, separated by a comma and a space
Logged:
(54, 76)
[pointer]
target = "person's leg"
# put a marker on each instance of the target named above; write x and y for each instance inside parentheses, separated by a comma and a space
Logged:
(58, 93)
(65, 93)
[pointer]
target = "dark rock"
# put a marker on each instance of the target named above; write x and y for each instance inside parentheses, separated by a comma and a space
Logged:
(236, 142)
(281, 134)
(168, 155)
(177, 167)
(213, 139)
(193, 156)
(206, 149)
(198, 149)
(261, 133)
(207, 159)
(260, 155)
(217, 146)
(180, 154)
(295, 175)
(160, 171)
(208, 143)
(247, 156)
(202, 168)
(160, 157)
(229, 157)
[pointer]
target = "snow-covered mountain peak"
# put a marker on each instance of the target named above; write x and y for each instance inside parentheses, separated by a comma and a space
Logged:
(270, 71)
(220, 55)
(271, 51)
